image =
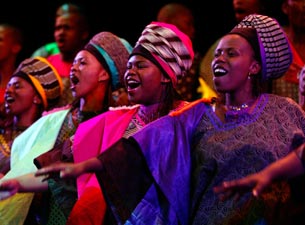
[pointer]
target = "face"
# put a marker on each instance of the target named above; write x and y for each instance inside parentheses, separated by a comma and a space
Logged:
(8, 45)
(143, 81)
(232, 63)
(19, 96)
(243, 8)
(69, 34)
(85, 74)
(295, 11)
(185, 22)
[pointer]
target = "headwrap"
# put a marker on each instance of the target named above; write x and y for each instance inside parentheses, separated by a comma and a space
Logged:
(43, 77)
(270, 40)
(167, 47)
(112, 52)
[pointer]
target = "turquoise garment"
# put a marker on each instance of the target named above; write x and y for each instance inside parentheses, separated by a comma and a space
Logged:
(37, 139)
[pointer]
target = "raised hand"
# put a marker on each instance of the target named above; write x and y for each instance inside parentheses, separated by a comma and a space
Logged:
(60, 170)
(255, 183)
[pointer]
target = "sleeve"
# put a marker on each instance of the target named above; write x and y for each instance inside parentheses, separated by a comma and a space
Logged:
(128, 177)
(166, 146)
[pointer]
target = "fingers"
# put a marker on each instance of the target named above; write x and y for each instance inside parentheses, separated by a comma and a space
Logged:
(234, 189)
(5, 195)
(8, 189)
(54, 170)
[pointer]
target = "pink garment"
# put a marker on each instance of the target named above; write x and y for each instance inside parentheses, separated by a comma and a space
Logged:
(91, 138)
(62, 67)
(97, 134)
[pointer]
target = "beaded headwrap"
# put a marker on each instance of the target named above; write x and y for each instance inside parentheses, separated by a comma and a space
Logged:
(170, 48)
(44, 78)
(112, 52)
(275, 52)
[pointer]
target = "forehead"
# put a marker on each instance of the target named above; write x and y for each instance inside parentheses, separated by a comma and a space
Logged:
(233, 41)
(68, 18)
(17, 79)
(138, 58)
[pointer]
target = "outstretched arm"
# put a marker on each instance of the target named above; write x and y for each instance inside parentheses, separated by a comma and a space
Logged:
(25, 183)
(285, 168)
(69, 170)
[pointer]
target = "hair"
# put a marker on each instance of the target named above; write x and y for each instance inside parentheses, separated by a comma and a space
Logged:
(77, 9)
(170, 11)
(168, 98)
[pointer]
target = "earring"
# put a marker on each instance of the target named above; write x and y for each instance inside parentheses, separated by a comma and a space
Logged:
(249, 76)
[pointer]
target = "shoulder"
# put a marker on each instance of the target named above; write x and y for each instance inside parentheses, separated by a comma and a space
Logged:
(56, 110)
(192, 105)
(123, 108)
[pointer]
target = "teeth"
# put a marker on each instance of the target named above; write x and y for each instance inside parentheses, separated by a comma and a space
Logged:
(219, 70)
(131, 82)
(9, 99)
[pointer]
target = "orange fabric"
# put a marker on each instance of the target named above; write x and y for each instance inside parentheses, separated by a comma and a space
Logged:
(89, 209)
(180, 111)
(295, 67)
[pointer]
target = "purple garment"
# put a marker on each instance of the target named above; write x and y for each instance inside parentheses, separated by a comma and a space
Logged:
(190, 153)
(165, 173)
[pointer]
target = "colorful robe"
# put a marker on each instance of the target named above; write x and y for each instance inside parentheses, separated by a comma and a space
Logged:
(169, 169)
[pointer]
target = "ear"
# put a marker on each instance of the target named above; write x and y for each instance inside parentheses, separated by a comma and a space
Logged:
(16, 48)
(103, 75)
(285, 7)
(37, 100)
(164, 79)
(255, 68)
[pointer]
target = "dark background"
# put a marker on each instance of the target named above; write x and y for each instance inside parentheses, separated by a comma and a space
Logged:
(124, 18)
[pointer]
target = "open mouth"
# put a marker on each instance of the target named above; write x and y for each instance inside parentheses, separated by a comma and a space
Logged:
(218, 72)
(132, 84)
(74, 80)
(9, 99)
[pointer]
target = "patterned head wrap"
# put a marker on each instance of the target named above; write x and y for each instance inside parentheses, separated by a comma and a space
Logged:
(112, 52)
(168, 47)
(43, 77)
(270, 41)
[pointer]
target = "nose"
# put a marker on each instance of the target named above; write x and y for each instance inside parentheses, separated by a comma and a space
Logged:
(9, 88)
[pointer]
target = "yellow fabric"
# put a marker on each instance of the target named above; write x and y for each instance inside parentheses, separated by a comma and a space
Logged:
(205, 90)
(14, 210)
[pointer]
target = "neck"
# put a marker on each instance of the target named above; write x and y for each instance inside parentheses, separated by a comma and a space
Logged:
(25, 120)
(241, 104)
(149, 113)
(93, 102)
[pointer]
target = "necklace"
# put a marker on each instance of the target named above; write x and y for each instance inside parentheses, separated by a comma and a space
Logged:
(146, 118)
(238, 108)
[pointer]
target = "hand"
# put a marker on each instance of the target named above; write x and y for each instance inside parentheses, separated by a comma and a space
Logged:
(9, 188)
(60, 170)
(256, 183)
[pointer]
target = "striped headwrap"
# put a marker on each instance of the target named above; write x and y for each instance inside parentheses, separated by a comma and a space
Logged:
(171, 49)
(112, 52)
(275, 52)
(44, 78)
